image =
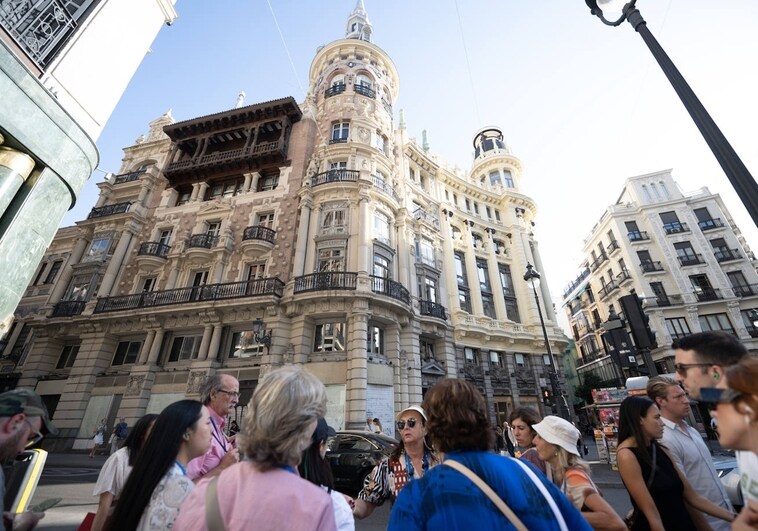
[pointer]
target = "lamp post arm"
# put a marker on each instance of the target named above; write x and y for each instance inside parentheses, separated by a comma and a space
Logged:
(737, 173)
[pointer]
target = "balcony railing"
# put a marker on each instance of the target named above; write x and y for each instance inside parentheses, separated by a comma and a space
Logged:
(613, 246)
(663, 301)
(752, 330)
(154, 249)
(690, 259)
(363, 90)
(334, 90)
(584, 274)
(724, 255)
(598, 261)
(650, 266)
(68, 308)
(209, 292)
(708, 294)
(326, 280)
(39, 28)
(608, 289)
(338, 140)
(109, 210)
(675, 227)
(128, 177)
(638, 236)
(204, 241)
(258, 232)
(334, 176)
(745, 290)
(385, 188)
(388, 287)
(432, 309)
(233, 156)
(623, 277)
(710, 224)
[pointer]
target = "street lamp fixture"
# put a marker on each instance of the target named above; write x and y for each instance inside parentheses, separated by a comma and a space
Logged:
(737, 173)
(259, 334)
(532, 276)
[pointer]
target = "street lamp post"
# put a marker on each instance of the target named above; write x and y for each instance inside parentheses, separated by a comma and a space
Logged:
(730, 162)
(532, 277)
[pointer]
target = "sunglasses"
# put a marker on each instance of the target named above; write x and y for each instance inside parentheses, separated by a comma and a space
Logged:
(713, 396)
(410, 422)
(682, 368)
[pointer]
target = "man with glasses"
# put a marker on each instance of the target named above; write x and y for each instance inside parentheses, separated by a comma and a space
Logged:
(24, 421)
(220, 393)
(686, 446)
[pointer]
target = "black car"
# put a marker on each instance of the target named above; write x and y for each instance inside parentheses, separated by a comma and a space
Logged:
(353, 454)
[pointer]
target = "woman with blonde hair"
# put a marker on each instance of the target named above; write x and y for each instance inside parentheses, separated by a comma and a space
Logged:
(556, 445)
(264, 492)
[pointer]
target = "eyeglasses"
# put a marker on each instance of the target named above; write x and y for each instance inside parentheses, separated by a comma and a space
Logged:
(34, 438)
(682, 368)
(230, 393)
(410, 422)
(713, 395)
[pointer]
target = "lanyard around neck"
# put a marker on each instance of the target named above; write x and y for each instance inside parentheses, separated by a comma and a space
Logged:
(219, 435)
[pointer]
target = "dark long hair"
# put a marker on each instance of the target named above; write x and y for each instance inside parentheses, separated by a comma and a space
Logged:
(631, 412)
(135, 440)
(157, 456)
(314, 468)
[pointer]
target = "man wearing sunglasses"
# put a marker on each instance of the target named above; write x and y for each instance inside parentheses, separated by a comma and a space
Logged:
(220, 393)
(24, 421)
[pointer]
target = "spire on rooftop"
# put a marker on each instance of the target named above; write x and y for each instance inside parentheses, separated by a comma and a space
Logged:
(358, 25)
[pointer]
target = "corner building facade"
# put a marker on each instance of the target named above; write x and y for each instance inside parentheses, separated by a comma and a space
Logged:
(361, 256)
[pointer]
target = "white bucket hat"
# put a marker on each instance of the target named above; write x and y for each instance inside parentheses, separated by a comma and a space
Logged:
(559, 432)
(417, 409)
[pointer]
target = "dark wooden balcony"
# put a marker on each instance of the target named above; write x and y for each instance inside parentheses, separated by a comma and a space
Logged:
(68, 308)
(128, 177)
(708, 294)
(710, 224)
(334, 90)
(638, 236)
(691, 259)
(745, 290)
(385, 286)
(725, 255)
(154, 249)
(209, 292)
(204, 241)
(334, 176)
(675, 228)
(231, 159)
(326, 280)
(363, 90)
(432, 309)
(651, 266)
(258, 232)
(109, 210)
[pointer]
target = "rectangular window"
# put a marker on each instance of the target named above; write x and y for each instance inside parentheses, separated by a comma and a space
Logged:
(265, 220)
(495, 178)
(739, 284)
(506, 282)
(468, 204)
(255, 271)
(497, 359)
(381, 142)
(212, 228)
(381, 266)
(460, 269)
(333, 221)
(716, 322)
(471, 355)
(165, 237)
(329, 337)
(488, 305)
(148, 284)
(426, 349)
(508, 179)
(53, 272)
(99, 248)
(126, 353)
(245, 346)
(519, 360)
(340, 132)
(426, 252)
(183, 195)
(375, 341)
(331, 260)
(268, 182)
(39, 274)
(381, 228)
(185, 348)
(484, 276)
(67, 357)
(497, 215)
(546, 360)
(476, 208)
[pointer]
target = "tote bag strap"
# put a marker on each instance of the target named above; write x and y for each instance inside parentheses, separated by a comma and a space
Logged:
(487, 490)
(549, 499)
(213, 520)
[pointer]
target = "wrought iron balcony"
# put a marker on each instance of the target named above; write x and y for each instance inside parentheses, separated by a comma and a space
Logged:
(334, 176)
(725, 255)
(385, 286)
(432, 309)
(363, 90)
(613, 246)
(128, 177)
(752, 330)
(608, 289)
(637, 236)
(385, 188)
(109, 210)
(68, 308)
(205, 241)
(208, 292)
(690, 259)
(663, 301)
(745, 290)
(154, 249)
(623, 277)
(708, 294)
(258, 232)
(338, 140)
(326, 280)
(675, 227)
(710, 224)
(650, 266)
(334, 90)
(598, 261)
(423, 215)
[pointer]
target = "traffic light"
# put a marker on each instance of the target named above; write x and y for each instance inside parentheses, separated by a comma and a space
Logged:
(644, 338)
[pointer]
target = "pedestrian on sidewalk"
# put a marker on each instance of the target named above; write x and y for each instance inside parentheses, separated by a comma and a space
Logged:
(119, 435)
(99, 437)
(522, 420)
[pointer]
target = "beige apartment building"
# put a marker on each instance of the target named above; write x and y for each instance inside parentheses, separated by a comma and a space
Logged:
(681, 253)
(315, 233)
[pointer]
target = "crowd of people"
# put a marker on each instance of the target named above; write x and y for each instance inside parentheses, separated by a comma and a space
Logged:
(185, 470)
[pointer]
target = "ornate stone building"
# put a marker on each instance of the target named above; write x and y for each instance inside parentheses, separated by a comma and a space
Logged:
(274, 233)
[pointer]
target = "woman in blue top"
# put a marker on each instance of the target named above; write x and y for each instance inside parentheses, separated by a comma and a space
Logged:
(444, 498)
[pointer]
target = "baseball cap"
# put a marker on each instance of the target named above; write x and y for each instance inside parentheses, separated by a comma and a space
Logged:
(323, 431)
(559, 432)
(417, 409)
(28, 402)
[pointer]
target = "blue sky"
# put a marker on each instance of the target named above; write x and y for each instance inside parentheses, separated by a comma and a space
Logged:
(582, 105)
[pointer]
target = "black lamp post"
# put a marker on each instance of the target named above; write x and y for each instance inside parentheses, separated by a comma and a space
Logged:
(259, 336)
(735, 170)
(533, 277)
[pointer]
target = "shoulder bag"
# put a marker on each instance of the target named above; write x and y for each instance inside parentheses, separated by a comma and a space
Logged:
(213, 519)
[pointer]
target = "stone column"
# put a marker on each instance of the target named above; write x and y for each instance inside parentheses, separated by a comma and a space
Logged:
(301, 249)
(246, 184)
(205, 342)
(146, 346)
(364, 241)
(155, 348)
(201, 192)
(310, 261)
(195, 191)
(117, 260)
(65, 277)
(215, 342)
(449, 280)
(357, 370)
(472, 275)
(403, 268)
(495, 284)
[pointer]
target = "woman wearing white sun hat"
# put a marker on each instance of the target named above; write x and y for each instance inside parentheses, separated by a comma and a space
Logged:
(556, 445)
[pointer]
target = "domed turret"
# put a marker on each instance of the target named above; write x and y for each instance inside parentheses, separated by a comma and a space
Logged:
(488, 139)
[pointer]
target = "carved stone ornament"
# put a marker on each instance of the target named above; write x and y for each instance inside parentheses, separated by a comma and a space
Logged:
(195, 382)
(134, 387)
